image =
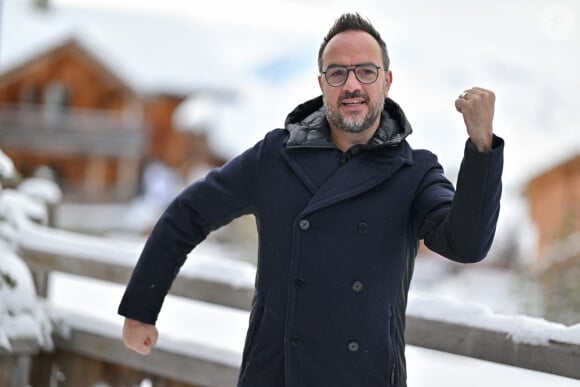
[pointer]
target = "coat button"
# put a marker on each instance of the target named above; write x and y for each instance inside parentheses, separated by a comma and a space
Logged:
(296, 341)
(299, 282)
(304, 224)
(357, 286)
(363, 228)
(353, 346)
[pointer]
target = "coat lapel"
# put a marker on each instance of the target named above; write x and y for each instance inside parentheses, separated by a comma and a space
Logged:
(330, 183)
(312, 166)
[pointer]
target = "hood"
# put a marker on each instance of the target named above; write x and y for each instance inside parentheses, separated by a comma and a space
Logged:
(308, 127)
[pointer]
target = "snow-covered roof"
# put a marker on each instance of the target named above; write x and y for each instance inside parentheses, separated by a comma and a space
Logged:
(152, 55)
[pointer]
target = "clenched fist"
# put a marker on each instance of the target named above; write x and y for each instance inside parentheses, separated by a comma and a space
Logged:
(477, 106)
(138, 336)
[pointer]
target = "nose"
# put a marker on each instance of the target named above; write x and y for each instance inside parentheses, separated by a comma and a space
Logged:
(351, 82)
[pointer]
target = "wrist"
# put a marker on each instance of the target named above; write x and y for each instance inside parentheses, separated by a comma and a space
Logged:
(483, 143)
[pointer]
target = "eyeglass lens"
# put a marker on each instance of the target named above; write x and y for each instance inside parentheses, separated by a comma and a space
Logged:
(337, 75)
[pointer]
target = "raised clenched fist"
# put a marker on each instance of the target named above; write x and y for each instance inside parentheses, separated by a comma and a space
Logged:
(477, 106)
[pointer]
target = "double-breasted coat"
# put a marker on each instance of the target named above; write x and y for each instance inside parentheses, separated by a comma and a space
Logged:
(338, 235)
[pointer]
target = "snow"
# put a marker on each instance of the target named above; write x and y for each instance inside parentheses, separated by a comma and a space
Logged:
(16, 208)
(228, 47)
(188, 327)
(121, 41)
(198, 329)
(197, 113)
(42, 189)
(207, 262)
(560, 251)
(21, 313)
(520, 329)
(7, 169)
(214, 332)
(428, 368)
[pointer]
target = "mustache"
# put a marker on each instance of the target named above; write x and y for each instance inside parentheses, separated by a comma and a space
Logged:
(356, 94)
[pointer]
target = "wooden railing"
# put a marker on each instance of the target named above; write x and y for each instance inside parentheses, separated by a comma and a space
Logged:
(88, 131)
(500, 339)
(15, 364)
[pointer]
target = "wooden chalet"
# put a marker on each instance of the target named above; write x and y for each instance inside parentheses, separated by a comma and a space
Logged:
(66, 109)
(554, 202)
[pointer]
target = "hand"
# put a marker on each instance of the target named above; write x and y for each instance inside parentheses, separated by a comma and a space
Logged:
(138, 336)
(477, 107)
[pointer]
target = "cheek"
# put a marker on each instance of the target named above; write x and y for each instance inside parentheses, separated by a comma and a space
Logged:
(380, 92)
(330, 95)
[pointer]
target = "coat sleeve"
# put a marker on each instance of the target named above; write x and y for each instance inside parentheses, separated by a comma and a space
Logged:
(460, 225)
(224, 194)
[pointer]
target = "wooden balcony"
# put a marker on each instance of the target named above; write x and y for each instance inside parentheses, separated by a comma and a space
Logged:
(53, 129)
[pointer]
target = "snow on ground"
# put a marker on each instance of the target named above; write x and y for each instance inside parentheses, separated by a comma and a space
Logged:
(428, 368)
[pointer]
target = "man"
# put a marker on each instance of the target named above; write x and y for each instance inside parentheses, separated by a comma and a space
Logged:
(341, 202)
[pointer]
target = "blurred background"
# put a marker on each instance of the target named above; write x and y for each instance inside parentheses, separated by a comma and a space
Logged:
(121, 104)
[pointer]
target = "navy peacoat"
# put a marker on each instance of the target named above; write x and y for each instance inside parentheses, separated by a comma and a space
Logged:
(338, 235)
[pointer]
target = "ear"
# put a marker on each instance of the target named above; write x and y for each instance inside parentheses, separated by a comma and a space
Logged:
(388, 80)
(320, 82)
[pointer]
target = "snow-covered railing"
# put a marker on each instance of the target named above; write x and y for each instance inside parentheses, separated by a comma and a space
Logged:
(48, 250)
(473, 330)
(460, 328)
(465, 329)
(190, 364)
(25, 328)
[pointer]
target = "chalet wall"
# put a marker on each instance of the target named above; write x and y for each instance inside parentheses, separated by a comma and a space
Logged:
(178, 149)
(554, 199)
(86, 84)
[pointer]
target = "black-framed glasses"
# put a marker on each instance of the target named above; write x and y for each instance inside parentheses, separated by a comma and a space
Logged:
(365, 73)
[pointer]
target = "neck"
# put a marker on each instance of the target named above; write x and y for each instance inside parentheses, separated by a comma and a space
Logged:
(346, 140)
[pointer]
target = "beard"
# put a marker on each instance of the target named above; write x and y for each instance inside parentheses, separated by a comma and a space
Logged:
(353, 123)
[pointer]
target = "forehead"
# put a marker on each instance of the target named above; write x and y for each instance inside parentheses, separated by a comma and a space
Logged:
(352, 47)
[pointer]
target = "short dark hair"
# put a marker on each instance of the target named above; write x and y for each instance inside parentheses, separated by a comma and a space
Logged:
(353, 22)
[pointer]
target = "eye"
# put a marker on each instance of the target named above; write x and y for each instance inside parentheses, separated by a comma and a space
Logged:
(367, 70)
(336, 72)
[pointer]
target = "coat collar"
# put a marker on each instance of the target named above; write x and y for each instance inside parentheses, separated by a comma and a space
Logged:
(314, 158)
(308, 128)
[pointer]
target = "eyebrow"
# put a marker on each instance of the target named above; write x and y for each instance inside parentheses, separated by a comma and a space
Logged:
(357, 64)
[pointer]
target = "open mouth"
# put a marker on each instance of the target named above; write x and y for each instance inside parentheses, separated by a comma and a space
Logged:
(353, 102)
